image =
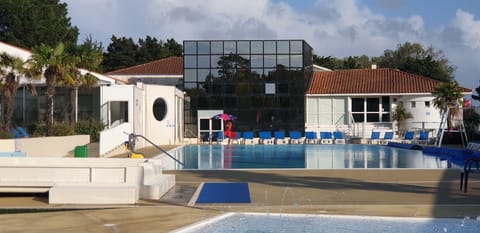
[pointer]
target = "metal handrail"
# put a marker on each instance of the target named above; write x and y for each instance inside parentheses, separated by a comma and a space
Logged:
(131, 146)
(467, 168)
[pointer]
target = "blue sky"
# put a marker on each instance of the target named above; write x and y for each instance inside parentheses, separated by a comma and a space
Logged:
(337, 28)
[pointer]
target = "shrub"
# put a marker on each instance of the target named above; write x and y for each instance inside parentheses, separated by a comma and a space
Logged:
(4, 134)
(90, 127)
(39, 129)
(62, 129)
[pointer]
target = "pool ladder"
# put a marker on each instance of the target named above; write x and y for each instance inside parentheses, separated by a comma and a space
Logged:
(467, 168)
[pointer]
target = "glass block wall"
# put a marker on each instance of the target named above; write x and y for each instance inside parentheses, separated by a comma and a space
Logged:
(261, 82)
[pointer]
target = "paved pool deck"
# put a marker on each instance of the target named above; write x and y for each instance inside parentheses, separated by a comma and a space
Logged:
(381, 192)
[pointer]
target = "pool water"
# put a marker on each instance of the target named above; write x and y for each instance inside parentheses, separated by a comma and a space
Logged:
(266, 223)
(309, 156)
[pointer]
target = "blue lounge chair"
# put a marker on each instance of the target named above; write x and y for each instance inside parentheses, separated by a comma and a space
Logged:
(247, 137)
(423, 138)
(311, 137)
(279, 137)
(338, 137)
(265, 137)
(387, 137)
(409, 137)
(374, 138)
(295, 137)
(326, 138)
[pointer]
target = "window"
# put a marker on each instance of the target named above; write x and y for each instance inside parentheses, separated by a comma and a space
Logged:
(118, 112)
(427, 104)
(243, 47)
(371, 109)
(413, 104)
(269, 88)
(203, 47)
(159, 109)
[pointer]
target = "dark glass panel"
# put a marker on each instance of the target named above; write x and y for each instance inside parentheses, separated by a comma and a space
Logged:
(243, 47)
(203, 61)
(372, 104)
(270, 47)
(230, 102)
(283, 88)
(244, 102)
(203, 74)
(386, 103)
(284, 101)
(216, 124)
(386, 117)
(229, 47)
(190, 47)
(283, 60)
(190, 85)
(296, 46)
(357, 105)
(270, 61)
(257, 47)
(229, 89)
(283, 47)
(257, 61)
(203, 47)
(204, 124)
(190, 75)
(190, 61)
(373, 117)
(296, 61)
(358, 117)
(215, 59)
(217, 47)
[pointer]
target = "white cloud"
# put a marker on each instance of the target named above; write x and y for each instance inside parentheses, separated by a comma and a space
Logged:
(469, 28)
(337, 28)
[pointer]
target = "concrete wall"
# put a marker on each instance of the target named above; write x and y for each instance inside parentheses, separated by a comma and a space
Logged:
(45, 146)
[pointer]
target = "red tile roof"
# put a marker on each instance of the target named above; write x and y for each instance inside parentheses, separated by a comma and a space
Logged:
(166, 66)
(365, 81)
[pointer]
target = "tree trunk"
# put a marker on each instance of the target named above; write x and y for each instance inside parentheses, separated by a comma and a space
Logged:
(73, 105)
(10, 90)
(50, 95)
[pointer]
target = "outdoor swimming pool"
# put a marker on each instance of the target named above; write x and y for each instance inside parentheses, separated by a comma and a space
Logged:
(265, 223)
(309, 156)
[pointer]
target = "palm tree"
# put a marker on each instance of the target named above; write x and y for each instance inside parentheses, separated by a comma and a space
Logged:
(57, 66)
(447, 96)
(89, 56)
(11, 68)
(400, 115)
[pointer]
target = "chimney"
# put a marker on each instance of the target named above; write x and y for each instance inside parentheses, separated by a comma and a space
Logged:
(374, 66)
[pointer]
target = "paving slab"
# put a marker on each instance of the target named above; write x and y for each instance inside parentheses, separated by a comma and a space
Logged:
(382, 192)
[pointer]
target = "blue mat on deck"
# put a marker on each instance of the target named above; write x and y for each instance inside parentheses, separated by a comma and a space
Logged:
(224, 193)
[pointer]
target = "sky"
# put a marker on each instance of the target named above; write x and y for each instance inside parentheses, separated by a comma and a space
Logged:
(337, 28)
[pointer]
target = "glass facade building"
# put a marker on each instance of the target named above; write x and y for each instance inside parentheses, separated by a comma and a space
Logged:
(261, 82)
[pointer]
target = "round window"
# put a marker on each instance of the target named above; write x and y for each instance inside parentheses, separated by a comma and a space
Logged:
(159, 109)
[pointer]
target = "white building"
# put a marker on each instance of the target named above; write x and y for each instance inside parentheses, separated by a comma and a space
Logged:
(154, 110)
(358, 101)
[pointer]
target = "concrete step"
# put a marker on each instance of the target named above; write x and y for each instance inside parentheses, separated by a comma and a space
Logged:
(93, 194)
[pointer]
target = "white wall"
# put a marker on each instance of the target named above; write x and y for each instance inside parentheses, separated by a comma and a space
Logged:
(114, 137)
(164, 131)
(427, 117)
(45, 146)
